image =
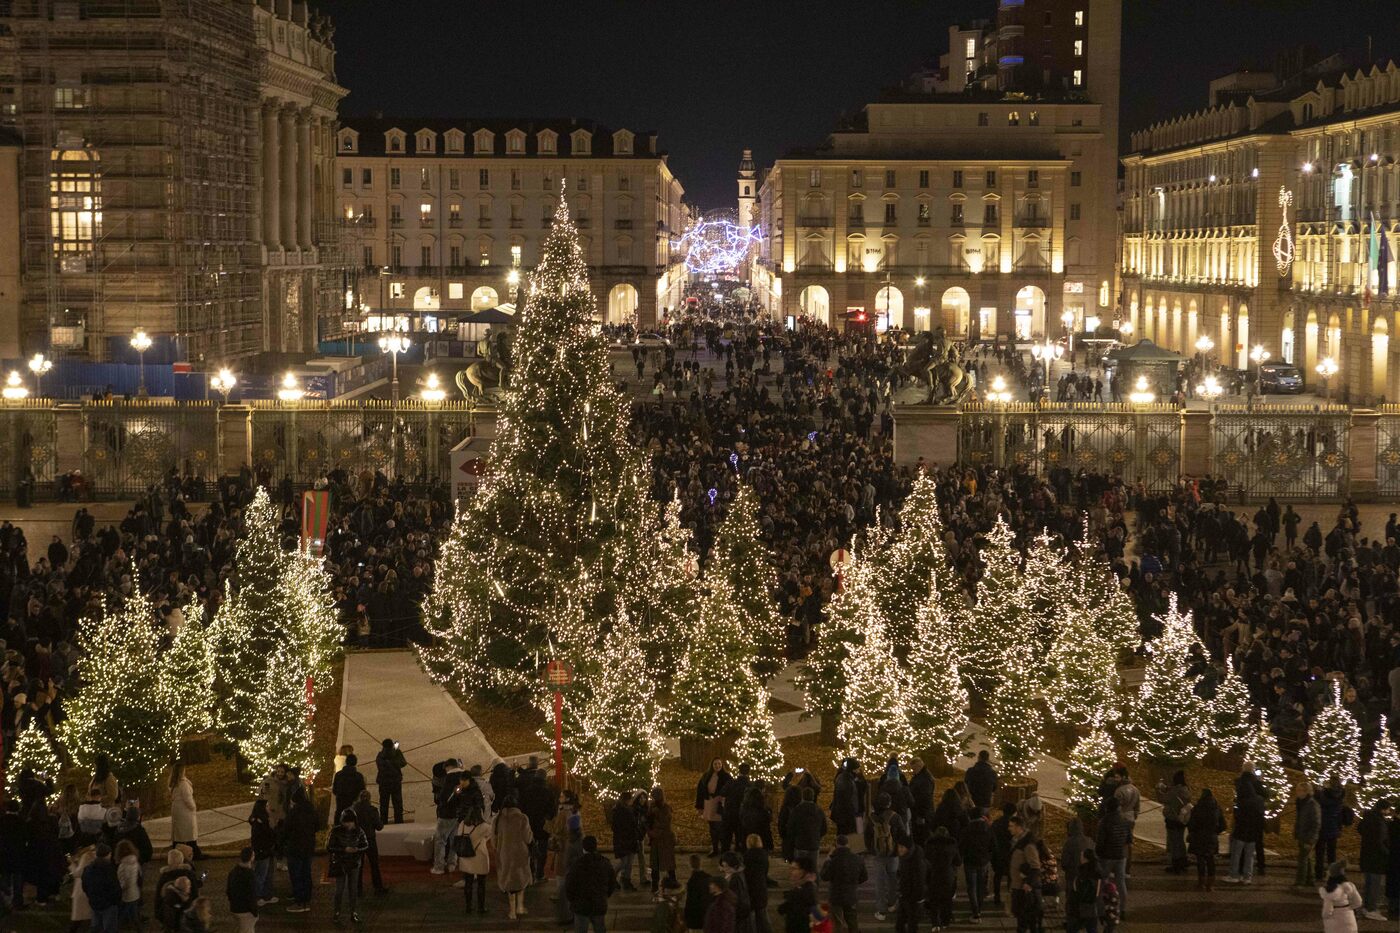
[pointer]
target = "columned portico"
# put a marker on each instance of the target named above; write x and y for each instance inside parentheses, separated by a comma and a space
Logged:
(288, 188)
(305, 157)
(272, 175)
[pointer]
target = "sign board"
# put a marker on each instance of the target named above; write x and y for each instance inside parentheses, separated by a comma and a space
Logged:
(468, 464)
(315, 514)
(840, 558)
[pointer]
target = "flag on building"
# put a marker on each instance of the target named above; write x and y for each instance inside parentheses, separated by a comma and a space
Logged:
(1373, 257)
(1383, 273)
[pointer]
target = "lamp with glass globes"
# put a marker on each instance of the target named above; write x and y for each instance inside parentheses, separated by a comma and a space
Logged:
(1327, 368)
(14, 389)
(1210, 389)
(1045, 353)
(394, 344)
(1142, 393)
(223, 382)
(999, 393)
(432, 389)
(290, 389)
(141, 342)
(39, 365)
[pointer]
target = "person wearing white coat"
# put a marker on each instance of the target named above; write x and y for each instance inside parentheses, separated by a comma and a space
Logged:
(82, 910)
(1340, 901)
(477, 866)
(184, 817)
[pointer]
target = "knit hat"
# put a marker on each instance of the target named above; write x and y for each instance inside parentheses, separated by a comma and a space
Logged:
(1337, 869)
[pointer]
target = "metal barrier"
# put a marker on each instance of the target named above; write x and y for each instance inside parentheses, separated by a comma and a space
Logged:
(128, 446)
(1283, 451)
(1136, 442)
(1388, 451)
(28, 438)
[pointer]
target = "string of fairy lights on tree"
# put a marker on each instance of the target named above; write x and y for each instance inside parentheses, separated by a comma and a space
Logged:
(740, 555)
(33, 750)
(938, 701)
(1382, 779)
(1093, 756)
(1333, 746)
(621, 721)
(874, 723)
(1166, 719)
(1231, 712)
(1263, 752)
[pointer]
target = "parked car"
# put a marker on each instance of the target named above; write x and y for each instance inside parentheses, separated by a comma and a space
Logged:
(1282, 378)
(651, 339)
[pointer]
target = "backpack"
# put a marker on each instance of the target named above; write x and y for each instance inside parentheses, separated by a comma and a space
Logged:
(883, 838)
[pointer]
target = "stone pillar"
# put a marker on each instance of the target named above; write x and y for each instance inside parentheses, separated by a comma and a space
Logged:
(1197, 442)
(1362, 448)
(287, 190)
(272, 178)
(305, 178)
(926, 431)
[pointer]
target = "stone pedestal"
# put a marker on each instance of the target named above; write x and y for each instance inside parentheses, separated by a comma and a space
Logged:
(1363, 446)
(1196, 447)
(926, 431)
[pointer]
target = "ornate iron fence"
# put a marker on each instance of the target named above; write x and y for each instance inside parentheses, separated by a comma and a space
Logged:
(127, 446)
(1288, 452)
(1131, 441)
(1388, 451)
(306, 441)
(28, 437)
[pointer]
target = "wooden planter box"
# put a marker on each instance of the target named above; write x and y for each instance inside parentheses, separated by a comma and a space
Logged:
(197, 749)
(1225, 761)
(697, 753)
(1015, 793)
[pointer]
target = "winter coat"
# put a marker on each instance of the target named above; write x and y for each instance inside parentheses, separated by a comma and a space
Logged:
(913, 875)
(981, 780)
(844, 872)
(697, 899)
(241, 890)
(1113, 837)
(1024, 853)
(719, 916)
(626, 834)
(300, 828)
(845, 804)
(709, 794)
(129, 874)
(733, 795)
(480, 862)
(1339, 908)
(346, 847)
(1375, 843)
(1249, 816)
(807, 825)
(389, 765)
(951, 814)
(941, 853)
(756, 878)
(921, 793)
(589, 883)
(346, 787)
(513, 837)
(1335, 813)
(1173, 798)
(663, 837)
(184, 818)
(975, 843)
(1204, 828)
(797, 907)
(1307, 820)
(101, 885)
(756, 819)
(261, 838)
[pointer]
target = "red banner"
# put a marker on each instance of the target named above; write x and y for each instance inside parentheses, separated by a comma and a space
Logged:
(315, 514)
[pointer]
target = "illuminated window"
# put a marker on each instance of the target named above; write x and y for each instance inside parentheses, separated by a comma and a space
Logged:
(1079, 48)
(1078, 79)
(1035, 118)
(1079, 17)
(1013, 118)
(396, 288)
(70, 98)
(454, 212)
(454, 289)
(971, 48)
(75, 207)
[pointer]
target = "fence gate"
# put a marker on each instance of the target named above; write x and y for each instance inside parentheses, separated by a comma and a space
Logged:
(128, 446)
(1388, 451)
(1284, 452)
(28, 436)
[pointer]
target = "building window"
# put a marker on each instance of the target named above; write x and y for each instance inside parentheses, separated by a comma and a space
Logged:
(394, 179)
(396, 260)
(425, 178)
(1033, 178)
(984, 119)
(425, 210)
(548, 181)
(957, 178)
(1075, 178)
(923, 178)
(454, 179)
(1078, 79)
(1035, 118)
(957, 214)
(396, 214)
(991, 178)
(889, 212)
(814, 178)
(1074, 212)
(483, 213)
(425, 256)
(923, 213)
(515, 179)
(1079, 17)
(1013, 118)
(347, 177)
(889, 178)
(857, 178)
(483, 179)
(989, 214)
(455, 252)
(582, 183)
(367, 177)
(75, 202)
(395, 144)
(971, 48)
(858, 213)
(454, 212)
(367, 255)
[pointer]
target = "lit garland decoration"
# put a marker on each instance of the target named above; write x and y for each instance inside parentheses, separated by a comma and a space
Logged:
(565, 490)
(937, 704)
(1001, 621)
(1166, 720)
(32, 750)
(1015, 721)
(1283, 243)
(740, 555)
(822, 676)
(1093, 756)
(758, 746)
(1263, 753)
(622, 722)
(189, 668)
(1333, 746)
(916, 555)
(281, 731)
(874, 723)
(715, 689)
(317, 632)
(1231, 712)
(1382, 781)
(715, 246)
(125, 706)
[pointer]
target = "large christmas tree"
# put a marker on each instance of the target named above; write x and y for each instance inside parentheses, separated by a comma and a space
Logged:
(1100, 595)
(1081, 664)
(874, 720)
(562, 492)
(1000, 623)
(1333, 746)
(620, 721)
(715, 690)
(740, 555)
(189, 671)
(937, 700)
(662, 594)
(124, 707)
(1015, 719)
(915, 555)
(822, 676)
(1166, 720)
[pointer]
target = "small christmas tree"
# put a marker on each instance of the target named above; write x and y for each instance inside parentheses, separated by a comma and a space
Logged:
(32, 750)
(1231, 713)
(1015, 721)
(914, 556)
(280, 731)
(124, 707)
(1263, 753)
(315, 631)
(1083, 671)
(822, 676)
(188, 671)
(715, 688)
(663, 592)
(937, 700)
(622, 721)
(1000, 624)
(1093, 757)
(1166, 720)
(1333, 747)
(758, 745)
(1100, 595)
(740, 556)
(1047, 580)
(1382, 781)
(874, 721)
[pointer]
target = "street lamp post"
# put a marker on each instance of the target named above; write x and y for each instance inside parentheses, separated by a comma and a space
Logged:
(14, 390)
(1327, 368)
(1044, 353)
(394, 344)
(223, 383)
(1258, 356)
(141, 342)
(999, 395)
(1203, 346)
(1068, 320)
(39, 366)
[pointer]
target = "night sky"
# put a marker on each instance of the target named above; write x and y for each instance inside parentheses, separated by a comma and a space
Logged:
(714, 76)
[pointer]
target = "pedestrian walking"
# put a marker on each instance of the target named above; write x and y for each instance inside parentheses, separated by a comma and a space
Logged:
(388, 777)
(588, 884)
(346, 846)
(514, 837)
(1203, 838)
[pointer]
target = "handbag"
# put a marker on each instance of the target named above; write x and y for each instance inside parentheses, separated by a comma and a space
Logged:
(1184, 815)
(462, 845)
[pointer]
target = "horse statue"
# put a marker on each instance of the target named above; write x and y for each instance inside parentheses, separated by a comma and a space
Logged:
(934, 365)
(949, 383)
(488, 374)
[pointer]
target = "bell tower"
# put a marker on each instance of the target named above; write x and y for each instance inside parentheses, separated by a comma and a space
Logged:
(748, 189)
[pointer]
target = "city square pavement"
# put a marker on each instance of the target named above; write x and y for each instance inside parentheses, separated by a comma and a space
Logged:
(1157, 903)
